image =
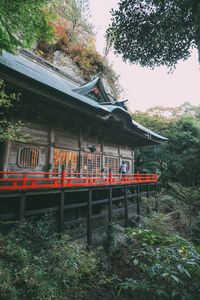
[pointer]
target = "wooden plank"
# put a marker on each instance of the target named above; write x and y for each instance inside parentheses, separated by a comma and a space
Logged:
(76, 205)
(8, 216)
(75, 221)
(103, 201)
(40, 211)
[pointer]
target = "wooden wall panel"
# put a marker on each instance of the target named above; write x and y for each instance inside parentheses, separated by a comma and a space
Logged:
(126, 151)
(110, 149)
(88, 142)
(66, 140)
(38, 134)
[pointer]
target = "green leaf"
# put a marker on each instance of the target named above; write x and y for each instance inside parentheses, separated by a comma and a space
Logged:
(165, 274)
(175, 278)
(135, 262)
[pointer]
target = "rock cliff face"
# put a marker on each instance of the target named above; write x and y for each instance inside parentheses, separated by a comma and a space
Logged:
(72, 71)
(66, 64)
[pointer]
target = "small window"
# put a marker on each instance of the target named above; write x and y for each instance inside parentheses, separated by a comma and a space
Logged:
(28, 157)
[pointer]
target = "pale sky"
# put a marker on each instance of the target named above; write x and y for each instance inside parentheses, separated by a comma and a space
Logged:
(145, 88)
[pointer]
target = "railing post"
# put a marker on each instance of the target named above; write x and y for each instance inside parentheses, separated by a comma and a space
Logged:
(24, 181)
(110, 176)
(63, 174)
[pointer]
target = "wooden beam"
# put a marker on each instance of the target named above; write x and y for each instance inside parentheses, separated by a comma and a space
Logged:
(110, 206)
(156, 197)
(50, 149)
(138, 203)
(22, 204)
(126, 206)
(89, 220)
(61, 211)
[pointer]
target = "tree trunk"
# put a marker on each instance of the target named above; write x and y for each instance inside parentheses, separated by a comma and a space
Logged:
(198, 49)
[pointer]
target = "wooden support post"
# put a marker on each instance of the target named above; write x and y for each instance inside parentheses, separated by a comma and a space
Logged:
(50, 151)
(110, 206)
(89, 220)
(61, 211)
(126, 206)
(80, 142)
(156, 197)
(22, 207)
(147, 190)
(133, 193)
(138, 202)
(148, 209)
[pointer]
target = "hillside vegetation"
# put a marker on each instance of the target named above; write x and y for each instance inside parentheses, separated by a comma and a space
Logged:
(36, 264)
(74, 38)
(177, 163)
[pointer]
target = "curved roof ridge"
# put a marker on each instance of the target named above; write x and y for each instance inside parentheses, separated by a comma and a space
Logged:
(22, 67)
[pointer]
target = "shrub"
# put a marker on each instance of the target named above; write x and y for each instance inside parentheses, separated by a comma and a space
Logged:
(158, 222)
(195, 228)
(158, 267)
(37, 264)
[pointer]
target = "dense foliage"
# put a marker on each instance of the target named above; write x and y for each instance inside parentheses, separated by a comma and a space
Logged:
(36, 263)
(9, 129)
(158, 267)
(23, 22)
(156, 32)
(178, 159)
(177, 162)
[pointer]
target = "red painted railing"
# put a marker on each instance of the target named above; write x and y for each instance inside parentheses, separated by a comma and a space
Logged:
(39, 180)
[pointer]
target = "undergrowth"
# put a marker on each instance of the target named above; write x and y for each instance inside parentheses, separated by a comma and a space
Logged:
(36, 263)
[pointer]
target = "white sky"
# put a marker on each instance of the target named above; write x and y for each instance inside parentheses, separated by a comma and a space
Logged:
(145, 88)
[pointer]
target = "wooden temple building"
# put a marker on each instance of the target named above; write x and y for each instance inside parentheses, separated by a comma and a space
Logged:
(74, 136)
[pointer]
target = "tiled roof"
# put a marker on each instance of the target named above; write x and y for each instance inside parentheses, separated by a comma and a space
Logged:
(50, 77)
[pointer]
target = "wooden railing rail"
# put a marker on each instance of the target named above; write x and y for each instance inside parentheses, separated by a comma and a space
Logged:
(39, 180)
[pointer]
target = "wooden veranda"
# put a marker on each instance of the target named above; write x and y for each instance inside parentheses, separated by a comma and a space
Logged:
(21, 186)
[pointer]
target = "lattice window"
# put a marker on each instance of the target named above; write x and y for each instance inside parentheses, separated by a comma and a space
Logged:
(65, 157)
(111, 163)
(91, 164)
(28, 157)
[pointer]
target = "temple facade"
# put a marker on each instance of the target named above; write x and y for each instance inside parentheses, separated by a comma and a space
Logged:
(81, 128)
